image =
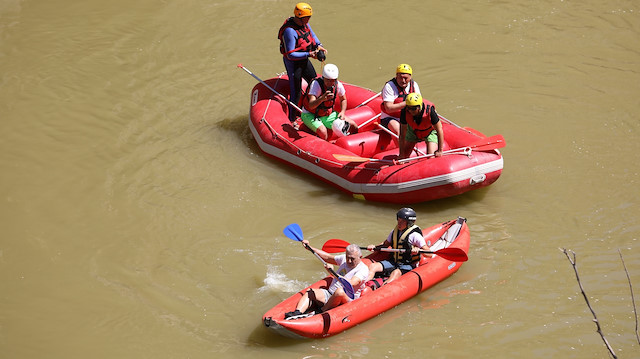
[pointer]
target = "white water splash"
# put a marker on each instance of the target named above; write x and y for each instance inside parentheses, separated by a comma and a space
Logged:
(278, 282)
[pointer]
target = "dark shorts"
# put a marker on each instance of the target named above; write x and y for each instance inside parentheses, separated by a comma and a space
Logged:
(388, 267)
(385, 121)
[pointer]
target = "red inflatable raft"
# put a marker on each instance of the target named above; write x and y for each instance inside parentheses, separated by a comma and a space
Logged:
(363, 164)
(432, 269)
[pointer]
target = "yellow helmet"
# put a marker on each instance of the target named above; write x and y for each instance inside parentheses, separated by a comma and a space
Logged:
(414, 99)
(302, 10)
(404, 69)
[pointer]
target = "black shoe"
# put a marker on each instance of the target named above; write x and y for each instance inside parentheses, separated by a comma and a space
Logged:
(290, 315)
(296, 314)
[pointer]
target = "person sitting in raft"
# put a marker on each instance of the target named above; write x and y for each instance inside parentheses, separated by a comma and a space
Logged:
(394, 93)
(317, 111)
(350, 267)
(408, 236)
(419, 122)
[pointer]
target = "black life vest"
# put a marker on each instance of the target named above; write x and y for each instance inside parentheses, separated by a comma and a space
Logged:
(402, 242)
(305, 41)
(402, 95)
(326, 107)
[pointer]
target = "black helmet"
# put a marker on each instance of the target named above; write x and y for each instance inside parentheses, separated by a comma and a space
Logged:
(408, 214)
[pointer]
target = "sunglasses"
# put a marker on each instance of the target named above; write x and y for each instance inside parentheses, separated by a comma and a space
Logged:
(413, 108)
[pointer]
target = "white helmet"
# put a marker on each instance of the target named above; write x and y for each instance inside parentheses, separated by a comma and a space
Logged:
(330, 72)
(340, 127)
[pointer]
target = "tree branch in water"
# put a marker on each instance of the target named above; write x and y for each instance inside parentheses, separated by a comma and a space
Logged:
(572, 260)
(635, 313)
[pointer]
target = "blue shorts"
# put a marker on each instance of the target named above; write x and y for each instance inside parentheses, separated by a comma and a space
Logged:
(388, 267)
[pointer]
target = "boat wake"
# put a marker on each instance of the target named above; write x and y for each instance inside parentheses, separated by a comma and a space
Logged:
(277, 281)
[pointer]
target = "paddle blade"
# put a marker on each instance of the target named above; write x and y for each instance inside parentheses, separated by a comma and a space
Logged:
(452, 254)
(348, 158)
(335, 246)
(294, 232)
(348, 288)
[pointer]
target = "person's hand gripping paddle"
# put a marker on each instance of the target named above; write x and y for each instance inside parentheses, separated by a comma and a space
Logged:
(293, 231)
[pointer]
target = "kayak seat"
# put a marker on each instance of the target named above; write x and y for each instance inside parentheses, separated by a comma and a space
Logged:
(366, 144)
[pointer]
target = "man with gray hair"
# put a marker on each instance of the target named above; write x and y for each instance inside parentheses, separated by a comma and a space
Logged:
(350, 268)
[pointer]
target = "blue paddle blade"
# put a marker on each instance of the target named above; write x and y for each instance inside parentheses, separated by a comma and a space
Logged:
(348, 288)
(294, 232)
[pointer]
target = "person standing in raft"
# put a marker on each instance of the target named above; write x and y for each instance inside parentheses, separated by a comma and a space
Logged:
(318, 103)
(350, 267)
(419, 122)
(394, 93)
(408, 236)
(298, 43)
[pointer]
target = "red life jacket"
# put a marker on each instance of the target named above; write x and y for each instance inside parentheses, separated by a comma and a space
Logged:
(305, 40)
(424, 128)
(325, 108)
(402, 95)
(402, 242)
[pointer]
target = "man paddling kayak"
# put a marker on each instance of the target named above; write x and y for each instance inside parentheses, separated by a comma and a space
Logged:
(408, 236)
(350, 268)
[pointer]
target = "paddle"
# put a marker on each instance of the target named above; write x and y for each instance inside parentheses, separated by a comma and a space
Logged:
(348, 158)
(271, 88)
(450, 253)
(294, 232)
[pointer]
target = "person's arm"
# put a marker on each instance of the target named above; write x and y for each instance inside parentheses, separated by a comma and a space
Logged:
(315, 97)
(437, 125)
(343, 101)
(315, 101)
(290, 40)
(386, 243)
(393, 106)
(402, 140)
(418, 243)
(327, 257)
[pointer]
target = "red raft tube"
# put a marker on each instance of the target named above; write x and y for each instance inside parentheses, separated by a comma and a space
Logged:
(363, 164)
(433, 269)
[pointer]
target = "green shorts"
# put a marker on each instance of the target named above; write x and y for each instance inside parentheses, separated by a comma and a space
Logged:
(313, 123)
(411, 136)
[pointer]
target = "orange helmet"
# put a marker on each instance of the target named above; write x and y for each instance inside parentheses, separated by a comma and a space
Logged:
(302, 10)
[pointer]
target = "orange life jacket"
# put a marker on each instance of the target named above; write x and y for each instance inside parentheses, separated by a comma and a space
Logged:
(424, 128)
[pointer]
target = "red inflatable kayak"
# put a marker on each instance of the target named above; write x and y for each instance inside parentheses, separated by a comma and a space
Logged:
(433, 268)
(362, 164)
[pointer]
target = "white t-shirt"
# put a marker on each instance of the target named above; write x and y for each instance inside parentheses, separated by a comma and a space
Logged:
(390, 93)
(316, 91)
(361, 271)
